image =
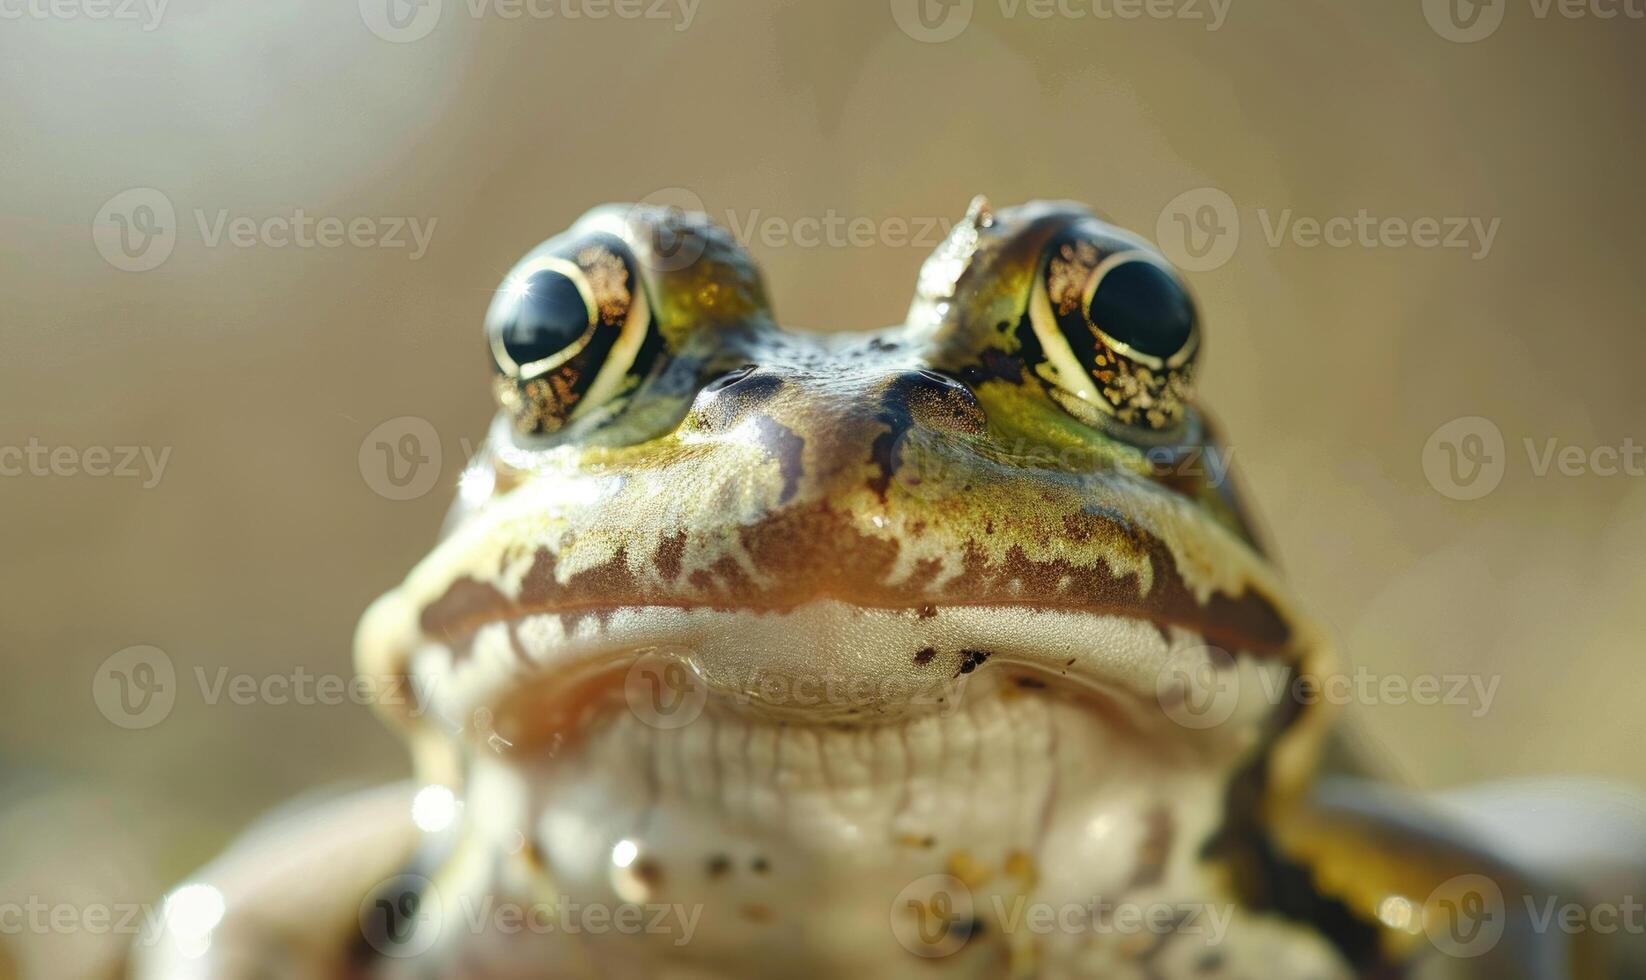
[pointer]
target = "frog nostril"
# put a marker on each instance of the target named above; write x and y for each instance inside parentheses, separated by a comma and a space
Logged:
(935, 401)
(728, 379)
(723, 402)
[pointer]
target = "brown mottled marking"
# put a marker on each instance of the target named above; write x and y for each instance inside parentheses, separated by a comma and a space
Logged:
(465, 604)
(924, 656)
(760, 865)
(719, 866)
(724, 575)
(802, 553)
(669, 552)
(755, 913)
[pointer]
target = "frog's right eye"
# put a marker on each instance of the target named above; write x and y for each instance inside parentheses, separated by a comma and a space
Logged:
(1118, 330)
(568, 333)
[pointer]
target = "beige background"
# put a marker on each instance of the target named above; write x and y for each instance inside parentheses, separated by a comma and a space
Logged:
(263, 369)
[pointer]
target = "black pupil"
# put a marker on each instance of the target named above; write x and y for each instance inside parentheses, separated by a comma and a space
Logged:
(1142, 306)
(548, 318)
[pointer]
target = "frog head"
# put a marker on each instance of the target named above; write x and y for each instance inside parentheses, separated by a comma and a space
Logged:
(787, 624)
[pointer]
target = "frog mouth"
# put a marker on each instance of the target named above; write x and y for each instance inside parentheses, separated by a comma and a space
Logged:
(525, 681)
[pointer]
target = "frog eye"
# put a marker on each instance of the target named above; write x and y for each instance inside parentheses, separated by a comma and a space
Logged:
(568, 332)
(1119, 332)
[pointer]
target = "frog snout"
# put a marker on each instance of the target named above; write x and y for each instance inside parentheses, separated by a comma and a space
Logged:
(898, 400)
(826, 427)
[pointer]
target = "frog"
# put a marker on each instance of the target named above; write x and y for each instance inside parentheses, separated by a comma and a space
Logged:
(950, 649)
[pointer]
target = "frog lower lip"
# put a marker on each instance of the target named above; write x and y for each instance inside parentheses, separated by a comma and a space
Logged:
(824, 663)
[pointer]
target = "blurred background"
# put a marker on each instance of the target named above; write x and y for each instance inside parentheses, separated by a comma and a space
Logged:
(242, 245)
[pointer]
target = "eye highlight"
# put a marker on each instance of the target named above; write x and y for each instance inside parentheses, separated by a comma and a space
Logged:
(552, 319)
(1138, 308)
(1119, 332)
(568, 332)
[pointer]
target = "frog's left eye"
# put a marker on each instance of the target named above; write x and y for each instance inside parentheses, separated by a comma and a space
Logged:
(568, 333)
(1119, 332)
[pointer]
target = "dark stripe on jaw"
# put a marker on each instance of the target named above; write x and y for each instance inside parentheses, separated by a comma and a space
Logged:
(1264, 878)
(814, 552)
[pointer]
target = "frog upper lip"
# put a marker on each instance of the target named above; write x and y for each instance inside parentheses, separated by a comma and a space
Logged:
(817, 556)
(714, 527)
(823, 662)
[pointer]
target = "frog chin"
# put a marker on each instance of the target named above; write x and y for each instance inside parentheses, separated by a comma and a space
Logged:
(741, 766)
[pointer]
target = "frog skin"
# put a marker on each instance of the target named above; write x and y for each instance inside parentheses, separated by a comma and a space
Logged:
(850, 654)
